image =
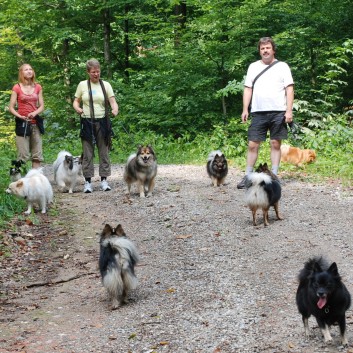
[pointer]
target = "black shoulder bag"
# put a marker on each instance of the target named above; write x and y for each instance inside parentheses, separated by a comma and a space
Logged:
(86, 126)
(23, 127)
(106, 123)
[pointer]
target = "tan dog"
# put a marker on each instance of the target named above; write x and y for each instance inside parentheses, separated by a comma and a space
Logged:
(141, 168)
(296, 156)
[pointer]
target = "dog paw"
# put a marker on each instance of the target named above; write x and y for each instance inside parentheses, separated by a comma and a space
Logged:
(115, 305)
(328, 341)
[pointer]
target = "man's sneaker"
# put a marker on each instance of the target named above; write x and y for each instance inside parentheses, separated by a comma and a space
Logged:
(241, 184)
(105, 186)
(88, 188)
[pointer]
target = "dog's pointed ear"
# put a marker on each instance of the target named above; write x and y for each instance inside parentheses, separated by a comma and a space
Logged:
(107, 230)
(265, 165)
(19, 184)
(333, 269)
(120, 231)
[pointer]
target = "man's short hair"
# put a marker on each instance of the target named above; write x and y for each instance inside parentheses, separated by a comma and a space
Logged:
(265, 40)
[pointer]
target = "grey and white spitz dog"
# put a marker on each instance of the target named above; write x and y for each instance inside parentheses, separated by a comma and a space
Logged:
(118, 257)
(141, 168)
(217, 167)
(263, 190)
(66, 170)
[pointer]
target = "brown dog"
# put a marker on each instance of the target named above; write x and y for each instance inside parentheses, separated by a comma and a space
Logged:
(141, 168)
(296, 156)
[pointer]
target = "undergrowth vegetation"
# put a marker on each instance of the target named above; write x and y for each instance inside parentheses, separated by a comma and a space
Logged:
(330, 136)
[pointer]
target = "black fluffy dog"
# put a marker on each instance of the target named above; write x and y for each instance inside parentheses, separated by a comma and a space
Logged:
(322, 294)
(17, 170)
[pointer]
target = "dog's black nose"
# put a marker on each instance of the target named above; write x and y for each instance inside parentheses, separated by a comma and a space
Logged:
(321, 293)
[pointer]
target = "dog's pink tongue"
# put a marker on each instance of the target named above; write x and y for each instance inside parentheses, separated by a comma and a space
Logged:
(321, 303)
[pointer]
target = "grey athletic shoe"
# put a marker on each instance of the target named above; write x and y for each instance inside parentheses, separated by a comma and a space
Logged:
(88, 188)
(105, 186)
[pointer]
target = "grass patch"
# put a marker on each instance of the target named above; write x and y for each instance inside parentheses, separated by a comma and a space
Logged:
(334, 154)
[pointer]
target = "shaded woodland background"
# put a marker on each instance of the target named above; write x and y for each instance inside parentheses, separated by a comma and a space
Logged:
(177, 68)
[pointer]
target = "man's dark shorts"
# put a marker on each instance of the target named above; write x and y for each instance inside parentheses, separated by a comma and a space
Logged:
(261, 122)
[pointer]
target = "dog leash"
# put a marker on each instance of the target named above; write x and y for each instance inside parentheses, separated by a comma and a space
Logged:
(294, 129)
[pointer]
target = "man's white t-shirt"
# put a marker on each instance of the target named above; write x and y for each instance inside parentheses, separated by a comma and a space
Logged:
(269, 90)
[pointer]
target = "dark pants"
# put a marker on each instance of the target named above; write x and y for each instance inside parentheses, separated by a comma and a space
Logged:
(261, 122)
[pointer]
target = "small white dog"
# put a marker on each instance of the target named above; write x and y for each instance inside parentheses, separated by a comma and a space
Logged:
(66, 169)
(35, 188)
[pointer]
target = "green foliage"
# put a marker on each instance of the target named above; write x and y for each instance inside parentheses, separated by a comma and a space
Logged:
(178, 75)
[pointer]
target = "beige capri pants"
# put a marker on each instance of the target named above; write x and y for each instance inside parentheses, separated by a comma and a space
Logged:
(30, 145)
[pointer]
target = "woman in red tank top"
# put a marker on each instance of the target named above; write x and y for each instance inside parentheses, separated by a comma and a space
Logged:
(27, 96)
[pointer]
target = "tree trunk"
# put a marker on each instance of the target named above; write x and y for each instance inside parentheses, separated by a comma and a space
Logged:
(106, 46)
(180, 14)
(126, 44)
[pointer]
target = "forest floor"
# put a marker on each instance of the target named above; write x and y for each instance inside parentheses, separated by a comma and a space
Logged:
(209, 281)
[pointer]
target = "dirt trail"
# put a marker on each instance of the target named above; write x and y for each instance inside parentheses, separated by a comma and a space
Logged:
(209, 281)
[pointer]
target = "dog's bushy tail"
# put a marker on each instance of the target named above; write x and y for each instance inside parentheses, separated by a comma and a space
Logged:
(34, 172)
(121, 271)
(213, 154)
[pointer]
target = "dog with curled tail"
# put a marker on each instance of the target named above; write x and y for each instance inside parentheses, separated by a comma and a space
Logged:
(217, 167)
(66, 170)
(117, 260)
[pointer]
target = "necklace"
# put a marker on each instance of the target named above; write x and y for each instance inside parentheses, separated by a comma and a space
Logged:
(27, 89)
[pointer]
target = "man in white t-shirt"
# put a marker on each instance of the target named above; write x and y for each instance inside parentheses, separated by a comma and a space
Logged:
(271, 98)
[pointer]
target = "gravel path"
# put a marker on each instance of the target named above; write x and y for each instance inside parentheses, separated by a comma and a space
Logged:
(209, 281)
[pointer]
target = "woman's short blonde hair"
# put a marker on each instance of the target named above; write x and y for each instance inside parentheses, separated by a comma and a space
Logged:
(92, 63)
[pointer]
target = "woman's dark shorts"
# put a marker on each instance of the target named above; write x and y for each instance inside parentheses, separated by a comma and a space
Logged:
(261, 122)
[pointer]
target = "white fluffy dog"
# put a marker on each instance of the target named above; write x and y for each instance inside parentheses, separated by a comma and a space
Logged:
(35, 188)
(66, 169)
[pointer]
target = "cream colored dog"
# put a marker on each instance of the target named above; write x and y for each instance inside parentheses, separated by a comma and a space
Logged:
(35, 188)
(296, 156)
